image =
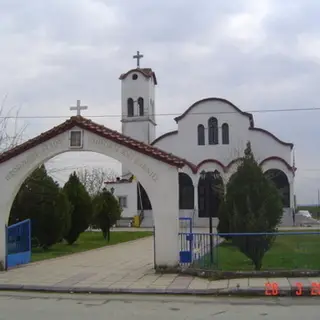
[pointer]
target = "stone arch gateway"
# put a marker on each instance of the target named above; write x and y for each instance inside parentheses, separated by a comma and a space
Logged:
(154, 168)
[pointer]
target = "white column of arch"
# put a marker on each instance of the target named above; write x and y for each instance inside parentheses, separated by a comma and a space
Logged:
(195, 205)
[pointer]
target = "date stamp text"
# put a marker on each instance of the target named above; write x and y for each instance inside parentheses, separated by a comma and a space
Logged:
(273, 289)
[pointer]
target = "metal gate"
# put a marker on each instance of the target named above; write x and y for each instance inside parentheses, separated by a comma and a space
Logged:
(18, 244)
(186, 239)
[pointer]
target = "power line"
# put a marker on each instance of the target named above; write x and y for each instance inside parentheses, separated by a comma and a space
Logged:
(166, 114)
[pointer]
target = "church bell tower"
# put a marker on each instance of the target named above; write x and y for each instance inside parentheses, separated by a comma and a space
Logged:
(138, 104)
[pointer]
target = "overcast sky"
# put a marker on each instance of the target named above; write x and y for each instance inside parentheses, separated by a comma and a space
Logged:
(259, 54)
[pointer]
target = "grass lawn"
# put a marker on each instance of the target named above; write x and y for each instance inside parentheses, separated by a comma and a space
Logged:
(86, 241)
(288, 252)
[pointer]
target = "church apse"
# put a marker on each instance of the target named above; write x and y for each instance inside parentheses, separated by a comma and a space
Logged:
(215, 186)
(280, 180)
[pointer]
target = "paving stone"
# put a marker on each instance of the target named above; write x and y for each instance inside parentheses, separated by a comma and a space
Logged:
(120, 285)
(153, 286)
(162, 282)
(199, 284)
(148, 278)
(282, 283)
(219, 284)
(294, 282)
(126, 267)
(239, 283)
(100, 285)
(257, 282)
(181, 282)
(131, 279)
(168, 276)
(314, 280)
(138, 285)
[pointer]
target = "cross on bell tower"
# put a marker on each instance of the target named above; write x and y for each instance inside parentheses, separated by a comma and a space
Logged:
(138, 56)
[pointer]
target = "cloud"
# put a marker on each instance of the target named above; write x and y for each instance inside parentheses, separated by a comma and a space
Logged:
(258, 54)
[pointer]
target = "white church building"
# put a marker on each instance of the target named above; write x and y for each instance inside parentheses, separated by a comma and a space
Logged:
(211, 136)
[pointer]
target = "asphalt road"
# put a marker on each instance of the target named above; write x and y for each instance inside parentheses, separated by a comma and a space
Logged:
(123, 307)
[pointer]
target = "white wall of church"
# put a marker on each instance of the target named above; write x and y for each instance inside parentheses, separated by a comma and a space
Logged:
(139, 129)
(141, 87)
(265, 146)
(129, 190)
(185, 142)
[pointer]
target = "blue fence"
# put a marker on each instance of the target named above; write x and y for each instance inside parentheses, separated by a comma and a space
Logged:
(225, 252)
(19, 243)
(186, 242)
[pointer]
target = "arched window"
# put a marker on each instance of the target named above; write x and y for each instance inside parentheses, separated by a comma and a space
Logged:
(130, 107)
(186, 192)
(201, 138)
(225, 133)
(141, 106)
(213, 131)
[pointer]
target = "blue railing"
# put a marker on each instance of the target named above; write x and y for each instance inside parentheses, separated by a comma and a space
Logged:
(290, 250)
(186, 243)
(19, 243)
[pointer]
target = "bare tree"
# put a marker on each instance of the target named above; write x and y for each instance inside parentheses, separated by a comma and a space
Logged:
(11, 134)
(94, 178)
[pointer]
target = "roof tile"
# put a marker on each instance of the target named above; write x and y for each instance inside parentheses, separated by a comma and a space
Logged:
(99, 130)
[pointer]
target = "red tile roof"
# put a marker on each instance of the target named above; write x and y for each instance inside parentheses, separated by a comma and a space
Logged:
(147, 72)
(99, 130)
(170, 133)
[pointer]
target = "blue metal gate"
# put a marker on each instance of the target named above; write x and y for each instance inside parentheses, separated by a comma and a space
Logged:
(186, 240)
(19, 243)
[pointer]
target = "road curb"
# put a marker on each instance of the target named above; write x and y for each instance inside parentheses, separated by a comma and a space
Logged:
(247, 292)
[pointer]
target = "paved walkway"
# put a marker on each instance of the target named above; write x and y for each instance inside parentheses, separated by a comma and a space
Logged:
(128, 267)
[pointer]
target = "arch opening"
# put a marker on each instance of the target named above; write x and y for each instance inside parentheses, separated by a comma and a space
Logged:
(130, 107)
(210, 193)
(143, 201)
(141, 106)
(186, 191)
(158, 177)
(280, 180)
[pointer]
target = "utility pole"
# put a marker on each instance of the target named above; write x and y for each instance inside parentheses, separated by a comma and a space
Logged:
(318, 211)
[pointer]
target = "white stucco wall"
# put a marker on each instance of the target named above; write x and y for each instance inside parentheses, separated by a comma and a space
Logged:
(185, 142)
(142, 87)
(159, 179)
(142, 128)
(129, 190)
(265, 146)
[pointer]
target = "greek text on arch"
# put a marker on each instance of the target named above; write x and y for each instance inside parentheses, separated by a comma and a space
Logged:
(129, 154)
(145, 168)
(33, 156)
